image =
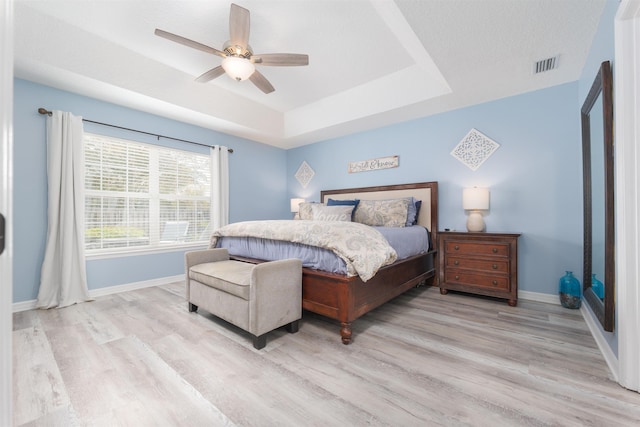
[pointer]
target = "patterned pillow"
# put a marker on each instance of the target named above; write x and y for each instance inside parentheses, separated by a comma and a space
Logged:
(331, 213)
(304, 210)
(354, 203)
(383, 213)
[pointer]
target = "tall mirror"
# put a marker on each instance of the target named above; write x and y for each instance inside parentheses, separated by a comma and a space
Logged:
(599, 222)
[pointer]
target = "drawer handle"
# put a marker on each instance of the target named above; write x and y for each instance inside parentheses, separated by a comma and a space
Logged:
(456, 247)
(456, 262)
(495, 250)
(494, 266)
(495, 283)
(457, 277)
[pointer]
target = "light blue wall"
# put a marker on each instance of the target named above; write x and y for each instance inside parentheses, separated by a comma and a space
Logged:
(602, 49)
(534, 177)
(257, 183)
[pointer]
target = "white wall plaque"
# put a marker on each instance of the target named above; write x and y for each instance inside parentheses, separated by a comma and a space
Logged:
(374, 164)
(474, 149)
(304, 174)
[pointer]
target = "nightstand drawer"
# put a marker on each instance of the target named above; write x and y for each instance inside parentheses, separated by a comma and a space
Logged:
(499, 265)
(476, 248)
(477, 280)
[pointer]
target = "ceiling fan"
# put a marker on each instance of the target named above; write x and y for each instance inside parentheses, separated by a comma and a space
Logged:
(238, 58)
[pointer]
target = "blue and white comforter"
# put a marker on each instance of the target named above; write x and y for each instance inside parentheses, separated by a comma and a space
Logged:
(363, 248)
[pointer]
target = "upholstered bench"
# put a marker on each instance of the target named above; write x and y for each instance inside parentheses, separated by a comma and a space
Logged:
(255, 297)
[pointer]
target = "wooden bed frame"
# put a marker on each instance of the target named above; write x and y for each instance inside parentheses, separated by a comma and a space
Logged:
(346, 298)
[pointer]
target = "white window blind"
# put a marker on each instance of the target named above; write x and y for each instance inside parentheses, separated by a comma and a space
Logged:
(141, 196)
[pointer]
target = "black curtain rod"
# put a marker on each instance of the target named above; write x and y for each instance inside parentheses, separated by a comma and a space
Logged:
(48, 113)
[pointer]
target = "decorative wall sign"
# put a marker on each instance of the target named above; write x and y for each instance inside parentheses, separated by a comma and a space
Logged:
(474, 149)
(304, 174)
(374, 164)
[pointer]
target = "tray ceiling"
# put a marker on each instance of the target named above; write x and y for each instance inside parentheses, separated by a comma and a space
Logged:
(372, 63)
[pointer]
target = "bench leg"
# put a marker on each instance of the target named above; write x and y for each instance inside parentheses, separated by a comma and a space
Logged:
(259, 342)
(192, 308)
(293, 327)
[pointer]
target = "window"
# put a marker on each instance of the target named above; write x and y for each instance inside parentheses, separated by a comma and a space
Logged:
(140, 196)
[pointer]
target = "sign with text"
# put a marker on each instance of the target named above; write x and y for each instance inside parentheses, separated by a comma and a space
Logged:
(374, 164)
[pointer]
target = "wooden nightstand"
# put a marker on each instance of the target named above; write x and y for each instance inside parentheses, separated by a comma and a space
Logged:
(479, 263)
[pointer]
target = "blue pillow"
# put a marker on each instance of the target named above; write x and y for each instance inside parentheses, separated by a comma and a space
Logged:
(354, 203)
(418, 206)
(413, 211)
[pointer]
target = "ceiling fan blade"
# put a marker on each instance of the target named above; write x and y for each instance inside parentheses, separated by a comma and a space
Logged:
(188, 42)
(281, 59)
(239, 26)
(261, 82)
(211, 74)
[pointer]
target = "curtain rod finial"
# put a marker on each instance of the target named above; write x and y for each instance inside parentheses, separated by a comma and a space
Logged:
(44, 111)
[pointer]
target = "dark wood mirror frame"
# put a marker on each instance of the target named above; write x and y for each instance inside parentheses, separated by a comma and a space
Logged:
(602, 88)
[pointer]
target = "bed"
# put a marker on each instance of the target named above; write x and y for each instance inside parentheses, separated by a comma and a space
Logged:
(345, 298)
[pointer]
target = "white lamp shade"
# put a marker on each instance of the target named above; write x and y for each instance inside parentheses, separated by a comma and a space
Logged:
(295, 204)
(475, 198)
(238, 68)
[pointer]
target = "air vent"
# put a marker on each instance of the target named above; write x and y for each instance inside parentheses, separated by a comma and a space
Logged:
(545, 65)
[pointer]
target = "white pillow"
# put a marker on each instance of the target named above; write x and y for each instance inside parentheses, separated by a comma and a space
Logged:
(331, 213)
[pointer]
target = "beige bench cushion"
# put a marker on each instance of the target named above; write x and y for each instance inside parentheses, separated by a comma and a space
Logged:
(233, 277)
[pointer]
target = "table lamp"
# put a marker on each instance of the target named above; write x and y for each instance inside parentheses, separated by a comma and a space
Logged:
(475, 200)
(295, 207)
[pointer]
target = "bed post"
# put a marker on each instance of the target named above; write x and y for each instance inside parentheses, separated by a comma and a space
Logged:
(345, 332)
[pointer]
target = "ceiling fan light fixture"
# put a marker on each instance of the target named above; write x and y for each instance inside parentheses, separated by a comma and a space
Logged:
(237, 55)
(238, 68)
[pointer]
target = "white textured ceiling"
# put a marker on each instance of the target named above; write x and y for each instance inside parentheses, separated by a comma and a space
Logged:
(371, 62)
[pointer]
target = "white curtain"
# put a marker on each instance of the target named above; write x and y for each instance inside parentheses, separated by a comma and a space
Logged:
(63, 279)
(219, 186)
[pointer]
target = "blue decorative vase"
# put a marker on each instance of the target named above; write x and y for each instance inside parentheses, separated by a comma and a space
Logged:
(570, 291)
(597, 286)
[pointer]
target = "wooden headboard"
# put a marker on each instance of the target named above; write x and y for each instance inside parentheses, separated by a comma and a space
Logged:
(425, 191)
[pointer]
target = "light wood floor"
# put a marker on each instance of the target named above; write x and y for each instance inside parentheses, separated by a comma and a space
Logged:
(140, 359)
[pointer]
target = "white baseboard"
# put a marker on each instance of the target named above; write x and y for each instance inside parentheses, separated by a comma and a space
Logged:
(23, 305)
(109, 290)
(94, 293)
(591, 319)
(539, 297)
